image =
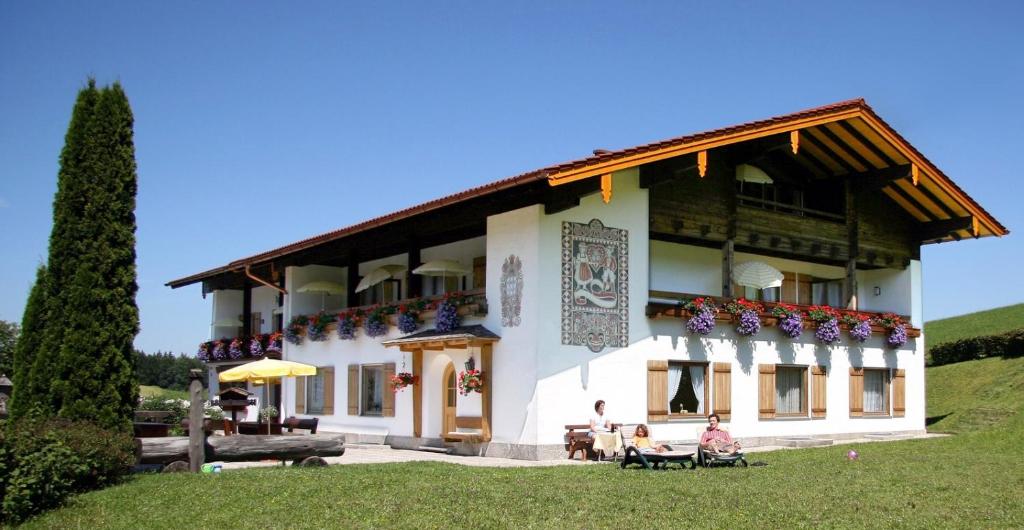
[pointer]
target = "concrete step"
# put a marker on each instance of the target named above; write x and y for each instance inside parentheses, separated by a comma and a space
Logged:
(432, 449)
(802, 441)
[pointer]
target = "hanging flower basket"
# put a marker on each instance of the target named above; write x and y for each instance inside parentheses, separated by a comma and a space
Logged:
(747, 315)
(203, 354)
(347, 323)
(256, 346)
(409, 316)
(791, 320)
(376, 323)
(274, 342)
(403, 379)
(218, 351)
(858, 324)
(828, 323)
(896, 327)
(448, 318)
(703, 312)
(471, 381)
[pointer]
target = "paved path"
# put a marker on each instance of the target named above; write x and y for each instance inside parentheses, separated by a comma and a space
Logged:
(383, 454)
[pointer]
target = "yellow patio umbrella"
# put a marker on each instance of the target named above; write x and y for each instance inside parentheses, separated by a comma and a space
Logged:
(263, 370)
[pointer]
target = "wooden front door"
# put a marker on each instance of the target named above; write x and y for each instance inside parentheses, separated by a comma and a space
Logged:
(449, 391)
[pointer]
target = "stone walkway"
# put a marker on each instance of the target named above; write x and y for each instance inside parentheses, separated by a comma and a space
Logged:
(383, 454)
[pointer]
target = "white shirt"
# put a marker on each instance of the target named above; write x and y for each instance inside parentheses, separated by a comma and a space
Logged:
(598, 421)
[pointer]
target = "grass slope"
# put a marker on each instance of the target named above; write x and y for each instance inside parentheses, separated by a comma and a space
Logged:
(156, 391)
(987, 322)
(974, 479)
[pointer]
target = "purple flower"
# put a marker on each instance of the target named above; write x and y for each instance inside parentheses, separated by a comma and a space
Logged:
(861, 331)
(235, 350)
(792, 325)
(292, 335)
(702, 322)
(316, 333)
(255, 348)
(346, 328)
(447, 317)
(203, 354)
(828, 331)
(218, 350)
(375, 326)
(407, 323)
(750, 323)
(897, 336)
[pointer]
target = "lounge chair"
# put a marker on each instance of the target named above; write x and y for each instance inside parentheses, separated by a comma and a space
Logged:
(709, 458)
(652, 459)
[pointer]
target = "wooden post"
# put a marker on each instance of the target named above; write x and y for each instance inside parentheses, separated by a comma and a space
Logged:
(485, 396)
(353, 282)
(417, 393)
(196, 429)
(727, 264)
(247, 308)
(853, 243)
(415, 280)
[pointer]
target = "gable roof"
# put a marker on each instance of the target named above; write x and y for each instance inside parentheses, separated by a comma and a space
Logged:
(953, 201)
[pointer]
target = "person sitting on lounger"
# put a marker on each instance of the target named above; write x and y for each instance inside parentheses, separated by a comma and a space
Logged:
(642, 441)
(716, 440)
(597, 421)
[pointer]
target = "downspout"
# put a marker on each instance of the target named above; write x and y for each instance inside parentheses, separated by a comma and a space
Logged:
(252, 276)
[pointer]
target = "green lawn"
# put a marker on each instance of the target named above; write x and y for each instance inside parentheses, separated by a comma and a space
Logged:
(156, 391)
(974, 479)
(987, 322)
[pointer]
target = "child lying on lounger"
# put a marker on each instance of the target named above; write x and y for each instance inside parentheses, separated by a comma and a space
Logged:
(642, 441)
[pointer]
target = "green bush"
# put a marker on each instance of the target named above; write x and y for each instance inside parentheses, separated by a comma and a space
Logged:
(42, 462)
(1009, 344)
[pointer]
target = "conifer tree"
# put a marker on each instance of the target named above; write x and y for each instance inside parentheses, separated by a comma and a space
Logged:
(87, 357)
(26, 393)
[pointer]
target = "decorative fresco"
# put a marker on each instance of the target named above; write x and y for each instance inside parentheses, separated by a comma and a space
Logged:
(595, 285)
(511, 291)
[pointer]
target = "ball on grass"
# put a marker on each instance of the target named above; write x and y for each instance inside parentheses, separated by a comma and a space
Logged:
(852, 455)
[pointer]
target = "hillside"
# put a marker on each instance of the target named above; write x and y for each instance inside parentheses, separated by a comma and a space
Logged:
(975, 395)
(986, 322)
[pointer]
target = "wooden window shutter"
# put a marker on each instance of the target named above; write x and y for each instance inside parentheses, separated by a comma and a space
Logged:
(766, 391)
(803, 289)
(328, 374)
(722, 401)
(789, 287)
(389, 396)
(353, 390)
(657, 391)
(300, 395)
(856, 392)
(899, 393)
(819, 391)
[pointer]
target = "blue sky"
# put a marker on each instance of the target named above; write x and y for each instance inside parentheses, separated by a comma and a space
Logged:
(261, 123)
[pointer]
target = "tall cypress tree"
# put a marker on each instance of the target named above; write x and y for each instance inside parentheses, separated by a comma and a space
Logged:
(26, 391)
(87, 357)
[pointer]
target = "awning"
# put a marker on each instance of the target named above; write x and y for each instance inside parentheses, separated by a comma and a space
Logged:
(432, 339)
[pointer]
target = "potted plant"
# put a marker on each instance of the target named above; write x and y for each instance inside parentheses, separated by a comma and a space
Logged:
(747, 315)
(827, 331)
(791, 320)
(858, 324)
(403, 379)
(703, 311)
(471, 381)
(897, 329)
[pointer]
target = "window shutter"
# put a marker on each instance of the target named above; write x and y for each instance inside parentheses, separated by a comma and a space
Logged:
(657, 391)
(722, 400)
(856, 392)
(389, 395)
(300, 395)
(766, 391)
(353, 390)
(788, 288)
(328, 373)
(819, 381)
(899, 394)
(803, 289)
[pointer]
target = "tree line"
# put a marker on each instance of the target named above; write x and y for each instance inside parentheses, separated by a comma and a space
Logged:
(165, 369)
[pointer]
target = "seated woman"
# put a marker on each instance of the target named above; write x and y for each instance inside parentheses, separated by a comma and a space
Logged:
(642, 441)
(597, 421)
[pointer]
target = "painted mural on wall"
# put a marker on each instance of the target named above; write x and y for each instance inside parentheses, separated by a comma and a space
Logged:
(595, 285)
(511, 291)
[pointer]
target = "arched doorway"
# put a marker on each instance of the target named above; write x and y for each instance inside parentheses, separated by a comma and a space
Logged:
(449, 391)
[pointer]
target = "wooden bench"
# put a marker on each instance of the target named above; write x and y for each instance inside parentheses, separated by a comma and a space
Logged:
(577, 438)
(466, 422)
(308, 424)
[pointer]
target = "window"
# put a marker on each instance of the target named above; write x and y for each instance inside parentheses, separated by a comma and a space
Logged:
(876, 391)
(688, 389)
(827, 292)
(371, 390)
(444, 284)
(382, 293)
(315, 392)
(790, 391)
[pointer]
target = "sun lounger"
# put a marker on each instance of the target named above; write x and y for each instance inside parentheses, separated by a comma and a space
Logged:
(709, 459)
(655, 460)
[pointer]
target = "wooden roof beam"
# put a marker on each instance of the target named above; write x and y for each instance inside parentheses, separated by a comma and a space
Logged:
(880, 178)
(944, 228)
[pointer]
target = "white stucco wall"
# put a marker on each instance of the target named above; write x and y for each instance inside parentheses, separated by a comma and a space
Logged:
(227, 306)
(685, 268)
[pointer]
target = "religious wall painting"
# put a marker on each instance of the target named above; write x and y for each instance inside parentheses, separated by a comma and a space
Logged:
(511, 291)
(595, 285)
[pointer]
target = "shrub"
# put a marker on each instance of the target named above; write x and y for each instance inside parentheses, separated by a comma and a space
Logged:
(1009, 344)
(42, 462)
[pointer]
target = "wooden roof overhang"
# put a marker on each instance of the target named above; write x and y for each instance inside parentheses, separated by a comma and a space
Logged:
(459, 338)
(846, 140)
